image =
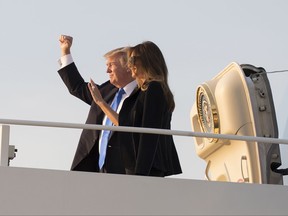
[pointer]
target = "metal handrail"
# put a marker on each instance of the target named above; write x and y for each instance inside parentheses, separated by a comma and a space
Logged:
(264, 140)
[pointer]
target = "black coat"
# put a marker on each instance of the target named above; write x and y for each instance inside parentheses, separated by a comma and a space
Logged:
(144, 153)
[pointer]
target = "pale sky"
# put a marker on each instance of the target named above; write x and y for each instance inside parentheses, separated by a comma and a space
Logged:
(197, 38)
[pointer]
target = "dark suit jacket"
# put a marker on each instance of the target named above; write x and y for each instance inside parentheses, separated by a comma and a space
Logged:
(144, 153)
(87, 153)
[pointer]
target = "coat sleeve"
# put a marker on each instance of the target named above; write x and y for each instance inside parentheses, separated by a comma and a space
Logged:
(155, 107)
(75, 83)
(77, 86)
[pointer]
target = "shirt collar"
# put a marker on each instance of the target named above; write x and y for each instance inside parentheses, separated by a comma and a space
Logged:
(130, 87)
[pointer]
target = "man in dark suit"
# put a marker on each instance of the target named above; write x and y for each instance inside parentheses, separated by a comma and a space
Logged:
(87, 154)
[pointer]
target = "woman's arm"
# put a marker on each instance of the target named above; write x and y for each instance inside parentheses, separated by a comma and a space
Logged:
(154, 110)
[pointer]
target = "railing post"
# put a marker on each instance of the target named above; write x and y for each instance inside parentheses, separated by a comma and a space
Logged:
(4, 144)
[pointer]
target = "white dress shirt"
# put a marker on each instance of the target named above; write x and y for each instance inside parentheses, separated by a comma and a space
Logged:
(65, 60)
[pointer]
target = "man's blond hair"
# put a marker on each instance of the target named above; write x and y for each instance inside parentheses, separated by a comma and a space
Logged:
(121, 52)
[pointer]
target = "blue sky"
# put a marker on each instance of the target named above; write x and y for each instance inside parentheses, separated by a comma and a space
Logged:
(197, 38)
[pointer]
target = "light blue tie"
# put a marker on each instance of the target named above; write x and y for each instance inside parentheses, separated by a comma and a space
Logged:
(106, 133)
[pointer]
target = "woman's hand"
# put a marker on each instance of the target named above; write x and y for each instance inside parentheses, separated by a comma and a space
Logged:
(98, 99)
(96, 95)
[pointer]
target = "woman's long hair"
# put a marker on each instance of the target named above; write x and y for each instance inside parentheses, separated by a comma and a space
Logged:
(150, 59)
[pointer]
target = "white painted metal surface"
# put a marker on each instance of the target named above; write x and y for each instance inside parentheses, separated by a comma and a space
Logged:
(4, 145)
(26, 191)
(237, 101)
(263, 140)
